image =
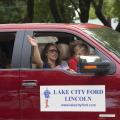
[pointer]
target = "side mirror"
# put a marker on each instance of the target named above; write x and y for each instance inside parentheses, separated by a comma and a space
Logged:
(97, 67)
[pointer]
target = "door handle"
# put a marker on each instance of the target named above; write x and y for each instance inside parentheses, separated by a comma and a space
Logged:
(29, 83)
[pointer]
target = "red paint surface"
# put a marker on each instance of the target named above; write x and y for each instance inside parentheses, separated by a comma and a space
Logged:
(18, 102)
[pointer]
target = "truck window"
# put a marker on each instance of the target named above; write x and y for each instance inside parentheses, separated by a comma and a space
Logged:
(64, 43)
(6, 49)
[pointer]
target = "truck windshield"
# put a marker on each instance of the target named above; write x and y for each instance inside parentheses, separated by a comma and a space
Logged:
(109, 38)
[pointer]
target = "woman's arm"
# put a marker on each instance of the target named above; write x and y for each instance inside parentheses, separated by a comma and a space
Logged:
(36, 53)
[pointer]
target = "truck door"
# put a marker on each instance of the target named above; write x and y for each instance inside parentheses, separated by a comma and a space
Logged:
(58, 94)
(9, 74)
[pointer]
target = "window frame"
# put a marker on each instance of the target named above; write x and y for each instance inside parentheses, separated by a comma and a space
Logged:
(15, 61)
(75, 33)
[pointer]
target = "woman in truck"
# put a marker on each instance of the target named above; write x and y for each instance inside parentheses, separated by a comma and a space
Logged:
(50, 57)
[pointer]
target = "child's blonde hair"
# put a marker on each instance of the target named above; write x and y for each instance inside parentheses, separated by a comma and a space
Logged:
(81, 46)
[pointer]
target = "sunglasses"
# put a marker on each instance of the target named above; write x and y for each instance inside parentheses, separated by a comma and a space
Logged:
(53, 50)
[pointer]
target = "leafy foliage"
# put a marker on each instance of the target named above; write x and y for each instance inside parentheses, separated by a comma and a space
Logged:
(12, 11)
(116, 8)
(108, 8)
(66, 10)
(42, 11)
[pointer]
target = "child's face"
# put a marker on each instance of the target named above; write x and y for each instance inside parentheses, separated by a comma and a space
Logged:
(81, 51)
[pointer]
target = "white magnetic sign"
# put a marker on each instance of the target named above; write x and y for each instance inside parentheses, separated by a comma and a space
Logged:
(73, 98)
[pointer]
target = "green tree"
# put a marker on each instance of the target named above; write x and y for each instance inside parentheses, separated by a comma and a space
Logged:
(62, 11)
(105, 9)
(12, 11)
(116, 12)
(30, 11)
(42, 11)
(98, 5)
(82, 7)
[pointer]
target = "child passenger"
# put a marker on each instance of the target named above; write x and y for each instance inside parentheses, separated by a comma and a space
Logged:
(77, 51)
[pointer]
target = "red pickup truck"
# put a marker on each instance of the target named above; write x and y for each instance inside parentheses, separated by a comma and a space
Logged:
(30, 93)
